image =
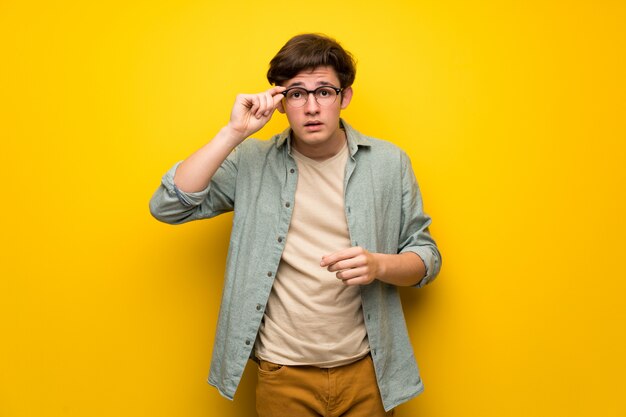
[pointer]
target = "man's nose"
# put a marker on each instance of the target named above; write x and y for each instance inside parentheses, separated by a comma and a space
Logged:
(311, 106)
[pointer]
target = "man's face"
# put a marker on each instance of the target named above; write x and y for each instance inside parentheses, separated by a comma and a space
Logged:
(315, 127)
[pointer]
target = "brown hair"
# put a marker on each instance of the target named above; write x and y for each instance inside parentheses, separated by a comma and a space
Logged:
(309, 51)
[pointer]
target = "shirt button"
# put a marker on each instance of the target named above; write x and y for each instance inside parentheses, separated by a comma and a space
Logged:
(368, 317)
(374, 352)
(292, 170)
(280, 239)
(287, 204)
(248, 342)
(258, 307)
(269, 274)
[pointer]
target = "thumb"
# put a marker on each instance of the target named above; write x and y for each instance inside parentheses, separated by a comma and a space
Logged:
(277, 94)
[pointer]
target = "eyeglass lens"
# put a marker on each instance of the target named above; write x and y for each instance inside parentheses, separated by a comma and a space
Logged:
(297, 97)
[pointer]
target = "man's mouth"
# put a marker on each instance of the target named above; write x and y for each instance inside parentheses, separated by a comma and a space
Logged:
(313, 123)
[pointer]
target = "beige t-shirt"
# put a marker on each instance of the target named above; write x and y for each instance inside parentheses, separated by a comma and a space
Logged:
(311, 317)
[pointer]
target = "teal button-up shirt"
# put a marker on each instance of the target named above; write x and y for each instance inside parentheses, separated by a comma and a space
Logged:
(257, 181)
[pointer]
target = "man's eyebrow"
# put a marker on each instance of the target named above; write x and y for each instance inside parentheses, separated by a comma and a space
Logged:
(301, 84)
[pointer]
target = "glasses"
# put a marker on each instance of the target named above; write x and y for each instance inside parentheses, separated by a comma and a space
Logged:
(324, 96)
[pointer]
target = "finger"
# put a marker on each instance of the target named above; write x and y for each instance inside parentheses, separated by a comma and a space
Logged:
(277, 95)
(340, 255)
(262, 105)
(254, 104)
(269, 105)
(276, 91)
(353, 273)
(349, 263)
(277, 99)
(361, 280)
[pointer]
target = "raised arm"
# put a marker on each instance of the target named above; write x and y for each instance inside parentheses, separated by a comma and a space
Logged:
(249, 114)
(184, 194)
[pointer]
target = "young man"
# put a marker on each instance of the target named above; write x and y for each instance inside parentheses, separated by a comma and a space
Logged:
(327, 222)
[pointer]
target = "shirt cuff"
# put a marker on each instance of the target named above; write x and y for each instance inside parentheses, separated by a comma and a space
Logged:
(430, 262)
(185, 198)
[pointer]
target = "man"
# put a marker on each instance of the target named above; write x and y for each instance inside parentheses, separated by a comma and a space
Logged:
(327, 222)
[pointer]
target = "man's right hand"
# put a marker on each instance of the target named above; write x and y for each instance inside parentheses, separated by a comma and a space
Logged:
(252, 111)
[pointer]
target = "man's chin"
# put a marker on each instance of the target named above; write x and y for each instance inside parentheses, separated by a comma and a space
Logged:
(311, 137)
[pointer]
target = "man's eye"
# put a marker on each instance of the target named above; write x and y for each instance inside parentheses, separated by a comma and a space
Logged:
(295, 94)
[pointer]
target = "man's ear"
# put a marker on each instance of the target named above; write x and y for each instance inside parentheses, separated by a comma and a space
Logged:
(346, 96)
(280, 107)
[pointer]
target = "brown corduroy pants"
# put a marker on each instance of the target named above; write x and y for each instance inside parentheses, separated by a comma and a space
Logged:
(303, 391)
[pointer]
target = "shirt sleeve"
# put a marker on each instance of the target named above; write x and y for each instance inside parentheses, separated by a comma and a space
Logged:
(171, 205)
(414, 234)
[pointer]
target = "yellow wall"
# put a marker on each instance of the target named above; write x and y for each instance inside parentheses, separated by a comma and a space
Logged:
(513, 114)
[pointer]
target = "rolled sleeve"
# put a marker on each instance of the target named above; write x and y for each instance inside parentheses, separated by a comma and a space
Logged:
(432, 262)
(186, 199)
(170, 204)
(415, 236)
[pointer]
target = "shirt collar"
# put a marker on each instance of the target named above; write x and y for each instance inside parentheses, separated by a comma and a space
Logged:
(355, 139)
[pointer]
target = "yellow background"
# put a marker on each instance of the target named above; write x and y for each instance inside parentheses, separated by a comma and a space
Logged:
(513, 114)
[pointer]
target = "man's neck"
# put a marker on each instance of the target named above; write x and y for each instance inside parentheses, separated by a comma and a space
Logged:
(323, 151)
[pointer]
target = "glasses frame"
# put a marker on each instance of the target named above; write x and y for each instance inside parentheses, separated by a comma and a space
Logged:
(309, 92)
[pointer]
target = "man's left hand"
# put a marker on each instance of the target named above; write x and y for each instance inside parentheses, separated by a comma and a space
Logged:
(354, 266)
